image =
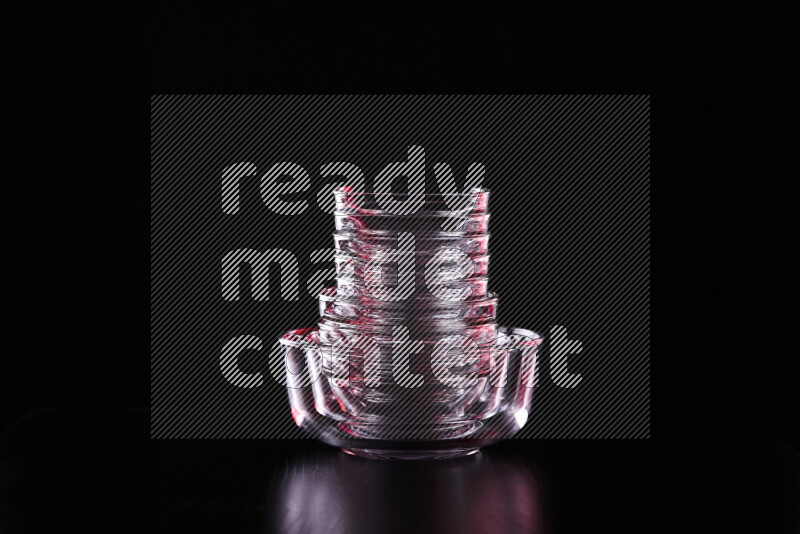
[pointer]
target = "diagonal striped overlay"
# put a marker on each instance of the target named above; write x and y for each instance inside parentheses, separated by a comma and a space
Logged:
(570, 240)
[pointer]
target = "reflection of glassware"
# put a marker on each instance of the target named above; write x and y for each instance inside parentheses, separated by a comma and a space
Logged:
(330, 492)
(407, 360)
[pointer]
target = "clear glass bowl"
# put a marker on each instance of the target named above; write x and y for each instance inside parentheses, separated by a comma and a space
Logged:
(432, 420)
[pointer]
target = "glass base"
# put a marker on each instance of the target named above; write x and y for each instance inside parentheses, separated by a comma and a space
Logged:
(410, 454)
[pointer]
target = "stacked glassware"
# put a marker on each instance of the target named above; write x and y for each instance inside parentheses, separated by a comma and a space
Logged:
(407, 359)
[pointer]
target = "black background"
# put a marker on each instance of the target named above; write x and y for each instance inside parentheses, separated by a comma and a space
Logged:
(80, 215)
(77, 239)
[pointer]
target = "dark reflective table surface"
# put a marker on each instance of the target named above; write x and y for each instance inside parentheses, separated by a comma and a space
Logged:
(328, 491)
(73, 471)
